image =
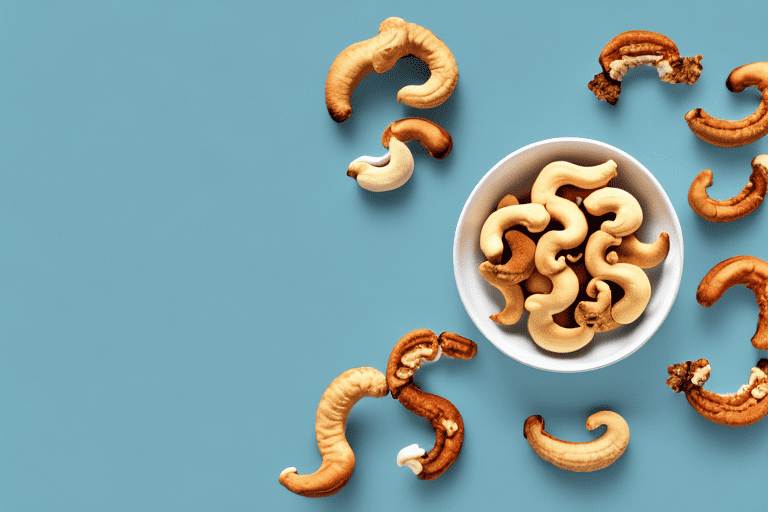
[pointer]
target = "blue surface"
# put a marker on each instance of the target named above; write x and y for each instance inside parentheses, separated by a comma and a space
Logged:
(185, 266)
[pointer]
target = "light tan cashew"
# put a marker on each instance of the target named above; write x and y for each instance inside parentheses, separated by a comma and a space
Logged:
(743, 203)
(633, 251)
(566, 212)
(629, 214)
(637, 48)
(588, 456)
(397, 38)
(745, 407)
(544, 331)
(596, 314)
(532, 216)
(394, 172)
(729, 134)
(432, 136)
(330, 429)
(631, 278)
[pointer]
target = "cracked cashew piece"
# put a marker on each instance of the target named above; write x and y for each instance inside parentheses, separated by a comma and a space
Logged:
(397, 38)
(581, 457)
(596, 314)
(629, 214)
(748, 405)
(532, 216)
(644, 255)
(506, 277)
(729, 134)
(432, 136)
(637, 48)
(385, 174)
(409, 353)
(330, 428)
(726, 210)
(749, 271)
(544, 192)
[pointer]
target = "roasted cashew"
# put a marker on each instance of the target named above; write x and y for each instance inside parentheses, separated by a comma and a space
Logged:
(431, 135)
(729, 134)
(749, 271)
(596, 314)
(532, 216)
(386, 174)
(507, 276)
(633, 251)
(410, 352)
(544, 192)
(637, 48)
(748, 405)
(330, 428)
(629, 215)
(588, 456)
(726, 210)
(396, 39)
(632, 279)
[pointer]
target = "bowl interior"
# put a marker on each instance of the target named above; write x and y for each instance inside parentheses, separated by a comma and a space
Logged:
(515, 174)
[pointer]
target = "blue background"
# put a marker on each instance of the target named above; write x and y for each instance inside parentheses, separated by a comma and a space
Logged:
(185, 266)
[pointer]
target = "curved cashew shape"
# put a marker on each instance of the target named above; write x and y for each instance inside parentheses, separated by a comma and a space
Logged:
(532, 216)
(726, 210)
(629, 215)
(330, 428)
(431, 135)
(748, 405)
(637, 287)
(397, 38)
(637, 48)
(749, 271)
(729, 134)
(507, 276)
(633, 251)
(596, 314)
(394, 172)
(588, 456)
(410, 352)
(544, 192)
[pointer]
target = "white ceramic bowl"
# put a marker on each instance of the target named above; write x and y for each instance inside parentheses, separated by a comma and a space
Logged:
(515, 174)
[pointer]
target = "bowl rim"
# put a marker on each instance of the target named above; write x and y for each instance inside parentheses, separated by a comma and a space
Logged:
(572, 365)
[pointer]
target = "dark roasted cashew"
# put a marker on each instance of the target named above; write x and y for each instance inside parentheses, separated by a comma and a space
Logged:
(748, 405)
(749, 271)
(726, 210)
(410, 352)
(506, 276)
(431, 135)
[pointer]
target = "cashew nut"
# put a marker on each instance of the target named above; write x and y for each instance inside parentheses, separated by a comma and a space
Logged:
(397, 38)
(544, 192)
(588, 456)
(749, 271)
(431, 135)
(596, 314)
(532, 216)
(391, 172)
(330, 428)
(410, 352)
(633, 251)
(538, 283)
(629, 215)
(507, 276)
(726, 210)
(729, 134)
(748, 405)
(507, 200)
(637, 48)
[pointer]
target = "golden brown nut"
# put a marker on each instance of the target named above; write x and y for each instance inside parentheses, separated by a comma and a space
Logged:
(748, 405)
(726, 210)
(596, 314)
(410, 352)
(636, 48)
(507, 200)
(397, 38)
(330, 428)
(729, 134)
(633, 251)
(431, 135)
(749, 271)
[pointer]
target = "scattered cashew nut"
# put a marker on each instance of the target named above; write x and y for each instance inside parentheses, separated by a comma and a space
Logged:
(386, 173)
(748, 405)
(532, 216)
(749, 271)
(330, 428)
(397, 38)
(582, 457)
(729, 134)
(507, 276)
(726, 210)
(431, 135)
(410, 352)
(637, 48)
